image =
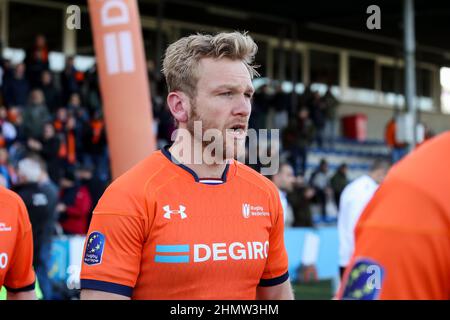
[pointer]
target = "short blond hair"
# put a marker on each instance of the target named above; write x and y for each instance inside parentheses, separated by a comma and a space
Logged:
(182, 57)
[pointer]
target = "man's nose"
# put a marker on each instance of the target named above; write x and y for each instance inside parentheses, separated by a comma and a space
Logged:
(242, 106)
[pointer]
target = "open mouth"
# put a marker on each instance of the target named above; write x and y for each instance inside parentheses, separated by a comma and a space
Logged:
(238, 130)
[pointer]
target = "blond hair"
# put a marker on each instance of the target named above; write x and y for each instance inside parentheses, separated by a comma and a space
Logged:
(182, 57)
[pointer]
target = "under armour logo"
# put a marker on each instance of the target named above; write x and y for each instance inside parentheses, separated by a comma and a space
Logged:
(180, 211)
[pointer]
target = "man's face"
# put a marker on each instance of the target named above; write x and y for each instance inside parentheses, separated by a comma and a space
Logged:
(222, 102)
(380, 174)
(286, 178)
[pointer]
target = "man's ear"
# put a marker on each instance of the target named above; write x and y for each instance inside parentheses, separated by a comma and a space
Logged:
(179, 105)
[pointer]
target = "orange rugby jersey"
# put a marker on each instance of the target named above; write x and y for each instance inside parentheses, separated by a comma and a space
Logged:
(402, 240)
(160, 232)
(16, 244)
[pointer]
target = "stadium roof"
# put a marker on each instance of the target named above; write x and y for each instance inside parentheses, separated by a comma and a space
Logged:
(335, 23)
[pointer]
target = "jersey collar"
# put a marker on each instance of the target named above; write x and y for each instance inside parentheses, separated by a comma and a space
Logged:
(211, 181)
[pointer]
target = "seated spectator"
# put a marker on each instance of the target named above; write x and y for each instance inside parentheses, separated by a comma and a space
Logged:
(15, 116)
(41, 211)
(75, 205)
(8, 132)
(93, 183)
(51, 93)
(16, 88)
(297, 138)
(317, 114)
(37, 60)
(96, 147)
(338, 182)
(284, 179)
(35, 115)
(48, 148)
(60, 120)
(319, 181)
(330, 104)
(69, 82)
(6, 169)
(300, 199)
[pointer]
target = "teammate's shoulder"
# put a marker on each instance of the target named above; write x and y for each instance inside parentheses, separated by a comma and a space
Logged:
(9, 197)
(431, 156)
(13, 205)
(254, 177)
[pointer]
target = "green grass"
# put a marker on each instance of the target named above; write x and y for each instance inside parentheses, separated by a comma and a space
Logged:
(314, 290)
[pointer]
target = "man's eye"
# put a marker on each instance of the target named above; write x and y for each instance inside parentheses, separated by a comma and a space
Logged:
(227, 94)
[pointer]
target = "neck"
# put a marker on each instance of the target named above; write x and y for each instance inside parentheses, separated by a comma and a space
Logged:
(197, 161)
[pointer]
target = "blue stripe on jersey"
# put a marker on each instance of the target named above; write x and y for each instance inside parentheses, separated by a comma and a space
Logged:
(172, 259)
(172, 248)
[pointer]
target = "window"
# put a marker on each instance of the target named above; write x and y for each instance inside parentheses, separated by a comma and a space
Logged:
(362, 73)
(261, 58)
(85, 41)
(150, 38)
(392, 79)
(286, 73)
(324, 67)
(424, 82)
(26, 21)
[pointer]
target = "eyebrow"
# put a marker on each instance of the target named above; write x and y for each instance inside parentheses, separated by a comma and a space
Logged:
(233, 87)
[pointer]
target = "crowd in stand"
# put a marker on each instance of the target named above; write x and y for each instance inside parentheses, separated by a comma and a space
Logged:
(53, 149)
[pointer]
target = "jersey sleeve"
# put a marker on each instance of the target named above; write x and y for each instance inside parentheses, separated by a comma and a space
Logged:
(276, 269)
(21, 276)
(402, 248)
(113, 248)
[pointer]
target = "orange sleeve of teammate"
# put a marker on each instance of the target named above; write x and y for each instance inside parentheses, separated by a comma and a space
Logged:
(113, 248)
(20, 276)
(276, 270)
(403, 245)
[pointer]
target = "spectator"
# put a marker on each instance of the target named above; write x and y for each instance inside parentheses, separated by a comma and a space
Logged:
(16, 119)
(41, 214)
(353, 201)
(338, 182)
(49, 148)
(284, 179)
(319, 181)
(8, 132)
(35, 115)
(82, 125)
(93, 91)
(330, 104)
(51, 94)
(60, 120)
(282, 105)
(398, 149)
(6, 169)
(16, 88)
(96, 186)
(317, 114)
(260, 107)
(300, 199)
(69, 83)
(96, 147)
(37, 60)
(75, 205)
(297, 138)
